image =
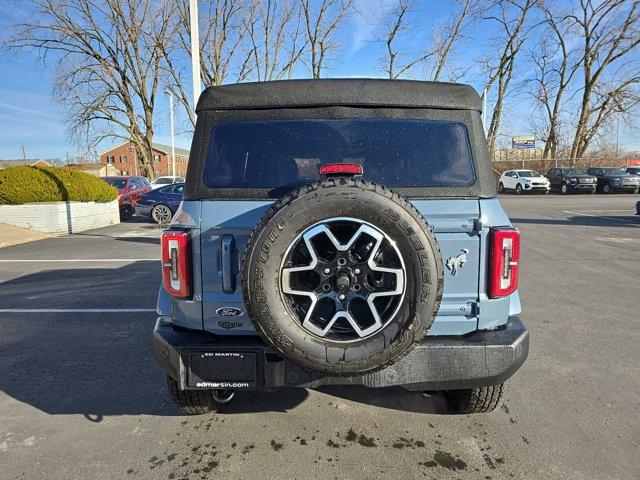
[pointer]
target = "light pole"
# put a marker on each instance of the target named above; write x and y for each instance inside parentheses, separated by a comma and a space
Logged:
(195, 50)
(173, 141)
(485, 92)
(618, 108)
(618, 139)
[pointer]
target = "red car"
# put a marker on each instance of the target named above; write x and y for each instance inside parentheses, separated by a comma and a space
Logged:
(130, 189)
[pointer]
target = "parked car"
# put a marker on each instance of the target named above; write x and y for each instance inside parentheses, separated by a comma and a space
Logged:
(296, 258)
(160, 204)
(523, 181)
(633, 170)
(130, 188)
(162, 181)
(567, 180)
(613, 179)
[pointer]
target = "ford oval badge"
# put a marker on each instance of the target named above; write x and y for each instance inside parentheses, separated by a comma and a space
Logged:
(229, 311)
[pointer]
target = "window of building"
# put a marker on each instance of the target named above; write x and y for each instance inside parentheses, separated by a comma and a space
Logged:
(156, 158)
(123, 159)
(111, 159)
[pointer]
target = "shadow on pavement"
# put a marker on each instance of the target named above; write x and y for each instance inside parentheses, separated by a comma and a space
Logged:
(584, 221)
(151, 241)
(395, 398)
(133, 285)
(100, 363)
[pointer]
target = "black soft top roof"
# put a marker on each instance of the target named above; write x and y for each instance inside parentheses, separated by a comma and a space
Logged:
(348, 92)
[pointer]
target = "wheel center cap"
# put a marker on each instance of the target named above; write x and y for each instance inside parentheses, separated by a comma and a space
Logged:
(343, 282)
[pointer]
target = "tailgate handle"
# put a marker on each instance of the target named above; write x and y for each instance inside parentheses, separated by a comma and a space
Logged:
(228, 249)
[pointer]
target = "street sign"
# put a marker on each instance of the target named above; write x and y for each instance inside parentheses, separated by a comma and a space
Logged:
(523, 141)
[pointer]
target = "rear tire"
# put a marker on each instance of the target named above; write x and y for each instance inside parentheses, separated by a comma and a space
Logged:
(192, 402)
(606, 188)
(500, 187)
(161, 214)
(126, 212)
(316, 340)
(476, 400)
(518, 189)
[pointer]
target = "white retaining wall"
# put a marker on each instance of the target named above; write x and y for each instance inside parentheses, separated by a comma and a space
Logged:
(61, 217)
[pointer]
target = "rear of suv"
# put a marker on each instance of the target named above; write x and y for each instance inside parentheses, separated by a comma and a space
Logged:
(339, 232)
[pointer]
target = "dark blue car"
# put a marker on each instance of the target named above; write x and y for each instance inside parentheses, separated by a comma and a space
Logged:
(160, 204)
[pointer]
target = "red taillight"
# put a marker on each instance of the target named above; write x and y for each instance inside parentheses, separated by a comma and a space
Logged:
(505, 254)
(176, 263)
(341, 169)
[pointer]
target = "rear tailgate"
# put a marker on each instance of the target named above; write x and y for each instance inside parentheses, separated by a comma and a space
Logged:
(227, 225)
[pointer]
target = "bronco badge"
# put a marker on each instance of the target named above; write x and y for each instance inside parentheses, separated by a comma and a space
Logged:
(230, 324)
(229, 311)
(454, 263)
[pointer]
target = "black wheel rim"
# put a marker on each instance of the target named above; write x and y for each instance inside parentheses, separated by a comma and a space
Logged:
(343, 279)
(127, 211)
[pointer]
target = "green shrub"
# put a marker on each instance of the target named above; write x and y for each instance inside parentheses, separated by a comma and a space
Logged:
(22, 184)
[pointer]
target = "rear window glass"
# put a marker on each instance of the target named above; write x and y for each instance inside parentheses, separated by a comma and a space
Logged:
(396, 153)
(163, 181)
(119, 183)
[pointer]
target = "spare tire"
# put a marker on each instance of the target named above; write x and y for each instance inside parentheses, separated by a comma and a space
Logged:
(342, 277)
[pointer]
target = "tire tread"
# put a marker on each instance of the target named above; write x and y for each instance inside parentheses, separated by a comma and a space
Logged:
(191, 402)
(478, 399)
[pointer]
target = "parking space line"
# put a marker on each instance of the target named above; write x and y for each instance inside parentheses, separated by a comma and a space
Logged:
(76, 310)
(88, 260)
(601, 216)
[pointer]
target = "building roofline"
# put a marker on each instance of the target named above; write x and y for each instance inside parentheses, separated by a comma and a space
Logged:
(114, 147)
(166, 149)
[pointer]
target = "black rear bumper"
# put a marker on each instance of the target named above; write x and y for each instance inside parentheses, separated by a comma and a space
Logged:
(197, 359)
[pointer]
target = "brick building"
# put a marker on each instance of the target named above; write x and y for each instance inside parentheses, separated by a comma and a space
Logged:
(124, 158)
(97, 169)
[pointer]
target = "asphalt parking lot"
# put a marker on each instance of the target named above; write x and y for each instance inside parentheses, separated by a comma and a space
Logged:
(82, 397)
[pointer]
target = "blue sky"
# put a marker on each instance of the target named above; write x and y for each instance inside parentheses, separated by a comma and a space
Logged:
(29, 117)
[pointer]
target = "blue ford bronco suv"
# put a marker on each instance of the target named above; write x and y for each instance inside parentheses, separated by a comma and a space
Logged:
(343, 232)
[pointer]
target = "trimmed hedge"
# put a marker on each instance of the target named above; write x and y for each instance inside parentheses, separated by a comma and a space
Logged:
(23, 184)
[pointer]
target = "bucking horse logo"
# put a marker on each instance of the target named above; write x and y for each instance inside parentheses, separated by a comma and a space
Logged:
(454, 263)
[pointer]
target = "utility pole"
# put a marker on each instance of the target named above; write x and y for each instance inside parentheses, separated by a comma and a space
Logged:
(173, 142)
(24, 154)
(195, 50)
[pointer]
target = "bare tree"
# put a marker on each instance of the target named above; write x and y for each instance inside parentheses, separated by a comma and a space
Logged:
(224, 54)
(274, 30)
(556, 67)
(511, 17)
(448, 34)
(396, 24)
(108, 56)
(610, 36)
(320, 30)
(395, 21)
